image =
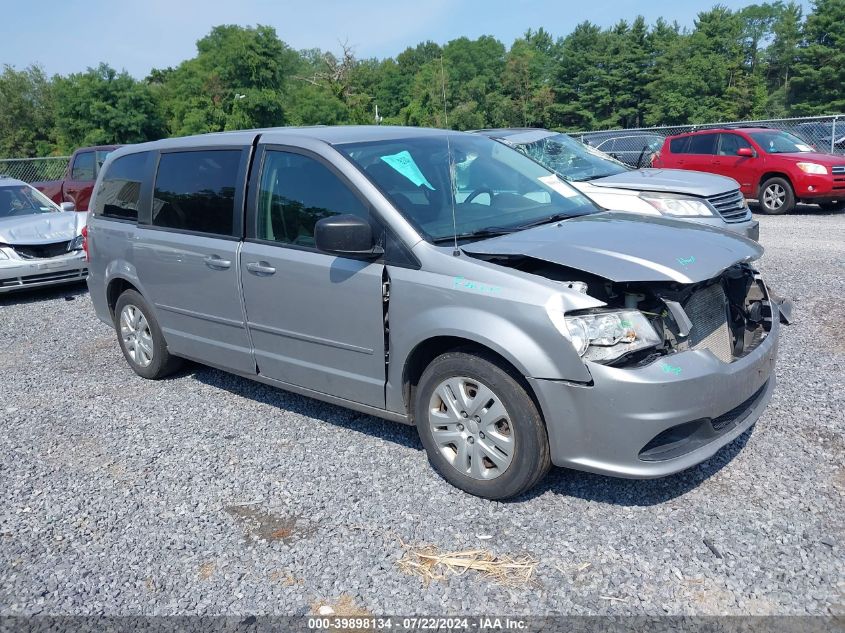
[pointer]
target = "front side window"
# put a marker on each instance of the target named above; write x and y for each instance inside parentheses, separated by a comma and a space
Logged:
(119, 193)
(730, 144)
(83, 167)
(295, 192)
(471, 186)
(702, 144)
(19, 200)
(195, 191)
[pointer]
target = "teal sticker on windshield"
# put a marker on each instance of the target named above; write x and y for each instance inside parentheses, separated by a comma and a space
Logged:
(404, 163)
(686, 261)
(669, 369)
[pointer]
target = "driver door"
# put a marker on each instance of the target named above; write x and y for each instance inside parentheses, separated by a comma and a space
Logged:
(316, 320)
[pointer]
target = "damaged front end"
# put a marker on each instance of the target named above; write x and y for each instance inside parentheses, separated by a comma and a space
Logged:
(641, 322)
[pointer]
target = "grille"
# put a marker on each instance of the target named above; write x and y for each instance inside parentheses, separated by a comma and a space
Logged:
(731, 206)
(708, 310)
(29, 280)
(42, 251)
(838, 169)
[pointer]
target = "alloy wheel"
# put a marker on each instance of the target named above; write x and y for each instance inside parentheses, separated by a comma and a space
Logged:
(774, 196)
(136, 336)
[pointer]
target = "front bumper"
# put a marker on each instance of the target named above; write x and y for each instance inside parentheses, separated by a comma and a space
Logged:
(749, 228)
(604, 427)
(20, 274)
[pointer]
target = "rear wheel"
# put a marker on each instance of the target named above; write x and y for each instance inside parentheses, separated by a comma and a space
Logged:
(776, 196)
(480, 428)
(836, 205)
(140, 338)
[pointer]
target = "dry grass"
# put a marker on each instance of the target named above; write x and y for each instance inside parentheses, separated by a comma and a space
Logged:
(429, 563)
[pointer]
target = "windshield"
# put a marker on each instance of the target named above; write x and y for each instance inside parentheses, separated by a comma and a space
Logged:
(776, 142)
(18, 200)
(492, 188)
(571, 159)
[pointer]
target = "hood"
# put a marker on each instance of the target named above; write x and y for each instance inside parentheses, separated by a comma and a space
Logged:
(623, 247)
(813, 157)
(695, 183)
(41, 228)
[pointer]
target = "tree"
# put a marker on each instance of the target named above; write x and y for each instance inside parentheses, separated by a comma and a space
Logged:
(237, 80)
(27, 112)
(819, 71)
(103, 106)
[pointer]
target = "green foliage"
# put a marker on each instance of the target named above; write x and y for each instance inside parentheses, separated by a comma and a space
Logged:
(763, 60)
(102, 106)
(818, 86)
(26, 113)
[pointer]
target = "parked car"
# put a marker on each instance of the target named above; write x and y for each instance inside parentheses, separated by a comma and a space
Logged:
(777, 168)
(699, 197)
(822, 136)
(79, 178)
(41, 244)
(632, 148)
(440, 279)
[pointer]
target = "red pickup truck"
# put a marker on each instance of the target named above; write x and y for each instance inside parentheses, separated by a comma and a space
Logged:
(81, 174)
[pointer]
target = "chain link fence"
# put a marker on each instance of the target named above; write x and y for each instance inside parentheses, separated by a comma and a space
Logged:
(34, 169)
(823, 133)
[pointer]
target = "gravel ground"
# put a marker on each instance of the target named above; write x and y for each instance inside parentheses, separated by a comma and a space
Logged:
(210, 494)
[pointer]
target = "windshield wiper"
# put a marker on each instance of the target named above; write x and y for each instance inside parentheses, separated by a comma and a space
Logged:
(547, 220)
(492, 231)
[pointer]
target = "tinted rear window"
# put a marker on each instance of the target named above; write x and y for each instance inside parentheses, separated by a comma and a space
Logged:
(119, 193)
(702, 144)
(195, 191)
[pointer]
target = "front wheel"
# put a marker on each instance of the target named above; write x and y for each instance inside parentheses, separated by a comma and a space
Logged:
(836, 205)
(776, 196)
(481, 430)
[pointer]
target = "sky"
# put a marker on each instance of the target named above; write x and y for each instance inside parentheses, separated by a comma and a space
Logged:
(65, 36)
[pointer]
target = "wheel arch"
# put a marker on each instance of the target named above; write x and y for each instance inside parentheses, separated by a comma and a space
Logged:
(422, 355)
(116, 287)
(773, 174)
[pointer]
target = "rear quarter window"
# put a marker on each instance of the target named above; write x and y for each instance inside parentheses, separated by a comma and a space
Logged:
(195, 191)
(679, 145)
(119, 192)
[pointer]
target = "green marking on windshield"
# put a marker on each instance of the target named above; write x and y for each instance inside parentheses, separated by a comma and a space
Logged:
(404, 163)
(686, 261)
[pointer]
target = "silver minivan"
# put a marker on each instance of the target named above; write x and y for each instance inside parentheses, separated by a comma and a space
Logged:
(439, 279)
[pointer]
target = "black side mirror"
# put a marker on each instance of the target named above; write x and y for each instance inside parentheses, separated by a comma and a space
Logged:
(346, 235)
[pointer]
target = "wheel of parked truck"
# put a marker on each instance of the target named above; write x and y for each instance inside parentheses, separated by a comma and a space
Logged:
(481, 430)
(776, 196)
(836, 205)
(141, 339)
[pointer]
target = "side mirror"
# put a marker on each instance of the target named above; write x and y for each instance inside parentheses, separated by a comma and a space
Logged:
(747, 152)
(68, 206)
(346, 235)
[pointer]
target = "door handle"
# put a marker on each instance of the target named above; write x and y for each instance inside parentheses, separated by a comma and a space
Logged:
(260, 268)
(214, 261)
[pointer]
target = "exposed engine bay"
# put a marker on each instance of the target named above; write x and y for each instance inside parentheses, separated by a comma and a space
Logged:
(730, 314)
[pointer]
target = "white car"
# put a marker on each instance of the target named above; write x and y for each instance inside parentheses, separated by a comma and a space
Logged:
(680, 194)
(41, 243)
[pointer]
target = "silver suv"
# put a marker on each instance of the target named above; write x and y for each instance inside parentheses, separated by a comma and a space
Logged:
(439, 279)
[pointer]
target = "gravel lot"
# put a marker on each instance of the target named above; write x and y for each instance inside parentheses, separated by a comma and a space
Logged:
(210, 494)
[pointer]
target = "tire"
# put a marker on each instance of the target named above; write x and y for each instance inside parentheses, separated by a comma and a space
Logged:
(509, 427)
(836, 205)
(776, 196)
(140, 338)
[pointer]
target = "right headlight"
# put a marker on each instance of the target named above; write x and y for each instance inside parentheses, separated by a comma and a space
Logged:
(605, 336)
(677, 205)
